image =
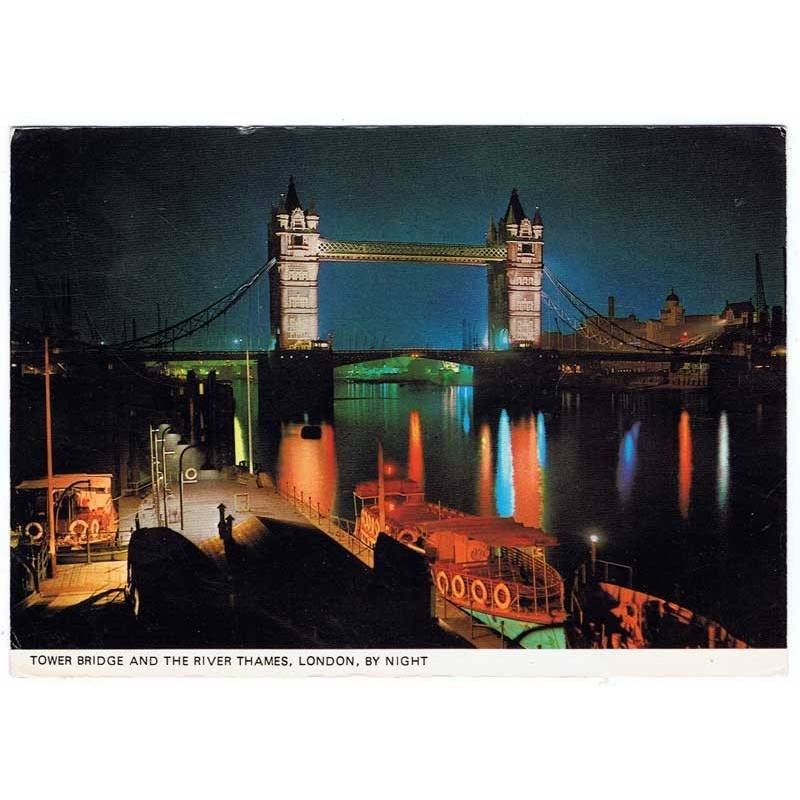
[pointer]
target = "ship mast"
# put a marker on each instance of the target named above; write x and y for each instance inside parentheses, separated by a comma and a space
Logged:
(381, 491)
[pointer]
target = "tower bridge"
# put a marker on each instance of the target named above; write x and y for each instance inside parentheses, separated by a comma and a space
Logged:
(518, 360)
(512, 256)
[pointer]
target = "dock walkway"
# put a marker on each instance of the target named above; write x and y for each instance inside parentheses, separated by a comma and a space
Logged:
(248, 501)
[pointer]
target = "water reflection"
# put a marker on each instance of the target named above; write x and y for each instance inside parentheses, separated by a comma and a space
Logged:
(504, 477)
(485, 494)
(528, 496)
(464, 407)
(626, 467)
(541, 437)
(684, 464)
(308, 466)
(723, 464)
(556, 472)
(416, 458)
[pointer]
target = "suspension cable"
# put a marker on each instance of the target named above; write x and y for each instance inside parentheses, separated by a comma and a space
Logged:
(199, 320)
(577, 302)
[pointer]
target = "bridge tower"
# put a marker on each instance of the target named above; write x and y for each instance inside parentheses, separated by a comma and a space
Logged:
(294, 241)
(515, 286)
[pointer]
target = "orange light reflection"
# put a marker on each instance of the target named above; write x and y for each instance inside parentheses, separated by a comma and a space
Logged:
(416, 456)
(309, 466)
(684, 464)
(527, 472)
(485, 470)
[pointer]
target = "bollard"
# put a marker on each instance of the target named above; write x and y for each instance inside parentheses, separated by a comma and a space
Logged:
(222, 527)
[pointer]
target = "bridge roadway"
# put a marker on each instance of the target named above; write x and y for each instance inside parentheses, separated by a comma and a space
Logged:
(474, 358)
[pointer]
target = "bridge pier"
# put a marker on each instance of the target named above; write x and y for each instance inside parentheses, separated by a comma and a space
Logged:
(515, 377)
(295, 383)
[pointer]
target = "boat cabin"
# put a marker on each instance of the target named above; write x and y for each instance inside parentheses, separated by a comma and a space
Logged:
(82, 503)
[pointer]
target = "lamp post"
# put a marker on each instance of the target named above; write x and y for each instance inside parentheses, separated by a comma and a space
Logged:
(51, 522)
(164, 433)
(180, 472)
(249, 415)
(594, 539)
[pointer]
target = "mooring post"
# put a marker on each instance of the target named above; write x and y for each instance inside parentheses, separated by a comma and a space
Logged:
(221, 525)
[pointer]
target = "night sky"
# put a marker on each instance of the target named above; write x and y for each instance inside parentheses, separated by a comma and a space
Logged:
(178, 217)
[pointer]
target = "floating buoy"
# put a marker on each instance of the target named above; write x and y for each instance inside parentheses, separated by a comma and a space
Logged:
(442, 584)
(501, 596)
(34, 531)
(459, 587)
(479, 593)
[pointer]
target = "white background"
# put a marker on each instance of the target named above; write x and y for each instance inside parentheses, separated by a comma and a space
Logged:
(358, 63)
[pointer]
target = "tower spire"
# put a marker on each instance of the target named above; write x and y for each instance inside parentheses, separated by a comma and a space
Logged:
(292, 200)
(515, 213)
(761, 297)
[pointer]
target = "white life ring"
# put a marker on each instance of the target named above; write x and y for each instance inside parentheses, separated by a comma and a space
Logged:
(75, 524)
(501, 596)
(190, 474)
(34, 526)
(479, 593)
(407, 537)
(459, 587)
(442, 584)
(94, 526)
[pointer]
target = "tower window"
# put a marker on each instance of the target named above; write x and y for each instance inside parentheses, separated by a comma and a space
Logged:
(527, 248)
(297, 241)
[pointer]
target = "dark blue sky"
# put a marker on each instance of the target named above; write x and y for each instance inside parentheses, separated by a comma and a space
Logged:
(179, 216)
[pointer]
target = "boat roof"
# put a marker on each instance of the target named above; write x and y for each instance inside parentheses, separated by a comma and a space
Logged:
(390, 486)
(411, 514)
(64, 480)
(494, 531)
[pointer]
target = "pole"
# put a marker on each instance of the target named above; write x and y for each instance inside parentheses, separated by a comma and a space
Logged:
(167, 430)
(152, 468)
(48, 421)
(381, 491)
(249, 415)
(180, 479)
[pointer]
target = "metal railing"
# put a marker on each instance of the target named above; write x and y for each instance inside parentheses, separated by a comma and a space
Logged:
(343, 531)
(34, 557)
(606, 571)
(544, 593)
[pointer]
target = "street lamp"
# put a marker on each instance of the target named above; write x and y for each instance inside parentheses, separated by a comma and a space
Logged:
(164, 454)
(180, 472)
(594, 539)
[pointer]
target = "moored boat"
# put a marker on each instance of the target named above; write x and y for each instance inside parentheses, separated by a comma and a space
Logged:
(83, 509)
(492, 568)
(608, 612)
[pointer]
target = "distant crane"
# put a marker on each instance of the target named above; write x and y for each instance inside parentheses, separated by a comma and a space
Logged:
(762, 310)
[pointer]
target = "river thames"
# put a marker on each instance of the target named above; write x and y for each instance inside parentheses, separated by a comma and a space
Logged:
(689, 492)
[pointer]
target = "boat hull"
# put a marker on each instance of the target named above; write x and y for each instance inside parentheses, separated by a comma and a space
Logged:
(529, 635)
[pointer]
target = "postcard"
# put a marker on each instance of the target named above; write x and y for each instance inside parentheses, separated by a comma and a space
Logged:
(398, 401)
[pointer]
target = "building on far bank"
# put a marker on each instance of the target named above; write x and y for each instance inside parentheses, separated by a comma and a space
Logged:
(740, 313)
(672, 327)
